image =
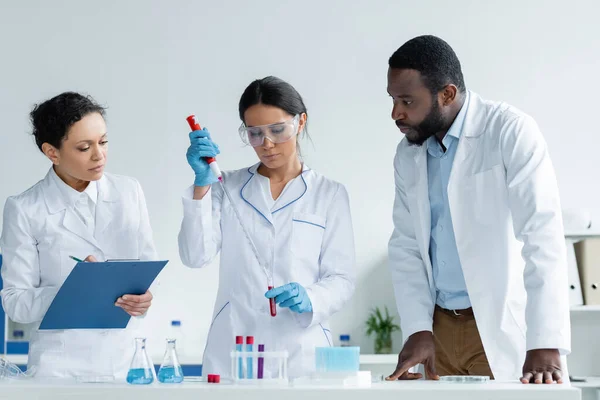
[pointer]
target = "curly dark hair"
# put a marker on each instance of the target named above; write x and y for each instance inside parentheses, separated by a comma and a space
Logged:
(434, 59)
(52, 119)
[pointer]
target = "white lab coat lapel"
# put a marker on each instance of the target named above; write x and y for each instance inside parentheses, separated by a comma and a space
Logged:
(294, 192)
(421, 189)
(107, 200)
(57, 203)
(252, 195)
(473, 127)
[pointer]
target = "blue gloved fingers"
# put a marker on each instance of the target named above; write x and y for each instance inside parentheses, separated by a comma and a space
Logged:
(274, 292)
(193, 159)
(204, 133)
(203, 150)
(206, 144)
(279, 290)
(207, 153)
(195, 156)
(293, 288)
(291, 295)
(201, 139)
(294, 301)
(286, 295)
(201, 146)
(304, 306)
(283, 297)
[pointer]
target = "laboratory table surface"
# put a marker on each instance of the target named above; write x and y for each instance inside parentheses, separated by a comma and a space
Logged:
(421, 390)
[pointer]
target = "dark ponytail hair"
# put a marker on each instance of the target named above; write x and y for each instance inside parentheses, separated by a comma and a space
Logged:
(272, 91)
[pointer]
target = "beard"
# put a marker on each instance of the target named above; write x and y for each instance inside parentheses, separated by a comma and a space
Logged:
(432, 124)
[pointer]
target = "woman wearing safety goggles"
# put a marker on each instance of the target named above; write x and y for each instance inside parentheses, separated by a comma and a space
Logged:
(300, 225)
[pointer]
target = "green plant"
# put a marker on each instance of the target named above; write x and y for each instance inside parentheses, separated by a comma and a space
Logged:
(382, 327)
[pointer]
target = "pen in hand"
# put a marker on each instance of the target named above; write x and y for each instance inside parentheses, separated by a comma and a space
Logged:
(89, 258)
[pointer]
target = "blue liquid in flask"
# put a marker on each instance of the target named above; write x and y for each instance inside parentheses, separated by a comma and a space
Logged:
(170, 370)
(170, 375)
(139, 376)
(141, 370)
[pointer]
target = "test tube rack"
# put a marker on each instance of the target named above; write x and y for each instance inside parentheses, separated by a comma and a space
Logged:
(274, 364)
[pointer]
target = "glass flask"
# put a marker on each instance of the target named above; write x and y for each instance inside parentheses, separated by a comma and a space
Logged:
(170, 370)
(141, 369)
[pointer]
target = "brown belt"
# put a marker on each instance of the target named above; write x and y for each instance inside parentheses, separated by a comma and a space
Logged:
(456, 313)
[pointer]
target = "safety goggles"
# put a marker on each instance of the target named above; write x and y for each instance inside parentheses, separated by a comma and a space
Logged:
(279, 132)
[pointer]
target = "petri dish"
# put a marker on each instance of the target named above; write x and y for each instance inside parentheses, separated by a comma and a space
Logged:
(464, 379)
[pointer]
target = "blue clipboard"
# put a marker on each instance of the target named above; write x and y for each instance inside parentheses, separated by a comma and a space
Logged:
(86, 300)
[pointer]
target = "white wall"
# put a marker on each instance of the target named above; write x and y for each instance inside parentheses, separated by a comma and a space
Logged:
(155, 62)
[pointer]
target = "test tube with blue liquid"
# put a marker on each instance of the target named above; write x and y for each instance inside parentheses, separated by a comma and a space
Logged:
(239, 343)
(249, 345)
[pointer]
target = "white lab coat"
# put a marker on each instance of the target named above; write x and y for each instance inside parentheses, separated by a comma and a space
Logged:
(307, 236)
(40, 232)
(506, 213)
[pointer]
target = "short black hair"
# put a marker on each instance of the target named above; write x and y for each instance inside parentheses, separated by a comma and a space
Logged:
(434, 59)
(272, 91)
(52, 119)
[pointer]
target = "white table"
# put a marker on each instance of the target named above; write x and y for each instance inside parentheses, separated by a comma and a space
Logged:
(421, 390)
(366, 360)
(576, 236)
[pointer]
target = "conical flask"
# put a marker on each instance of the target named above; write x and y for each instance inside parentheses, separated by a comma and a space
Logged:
(140, 371)
(170, 370)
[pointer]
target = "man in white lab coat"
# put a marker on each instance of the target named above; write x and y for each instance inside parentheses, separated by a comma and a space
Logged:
(477, 254)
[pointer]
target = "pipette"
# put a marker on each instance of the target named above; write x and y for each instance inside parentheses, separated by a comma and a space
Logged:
(212, 163)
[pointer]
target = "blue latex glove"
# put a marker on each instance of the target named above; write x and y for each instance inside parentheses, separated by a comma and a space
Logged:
(292, 295)
(201, 145)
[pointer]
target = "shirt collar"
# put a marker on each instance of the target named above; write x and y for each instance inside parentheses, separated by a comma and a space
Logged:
(455, 129)
(72, 196)
(92, 191)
